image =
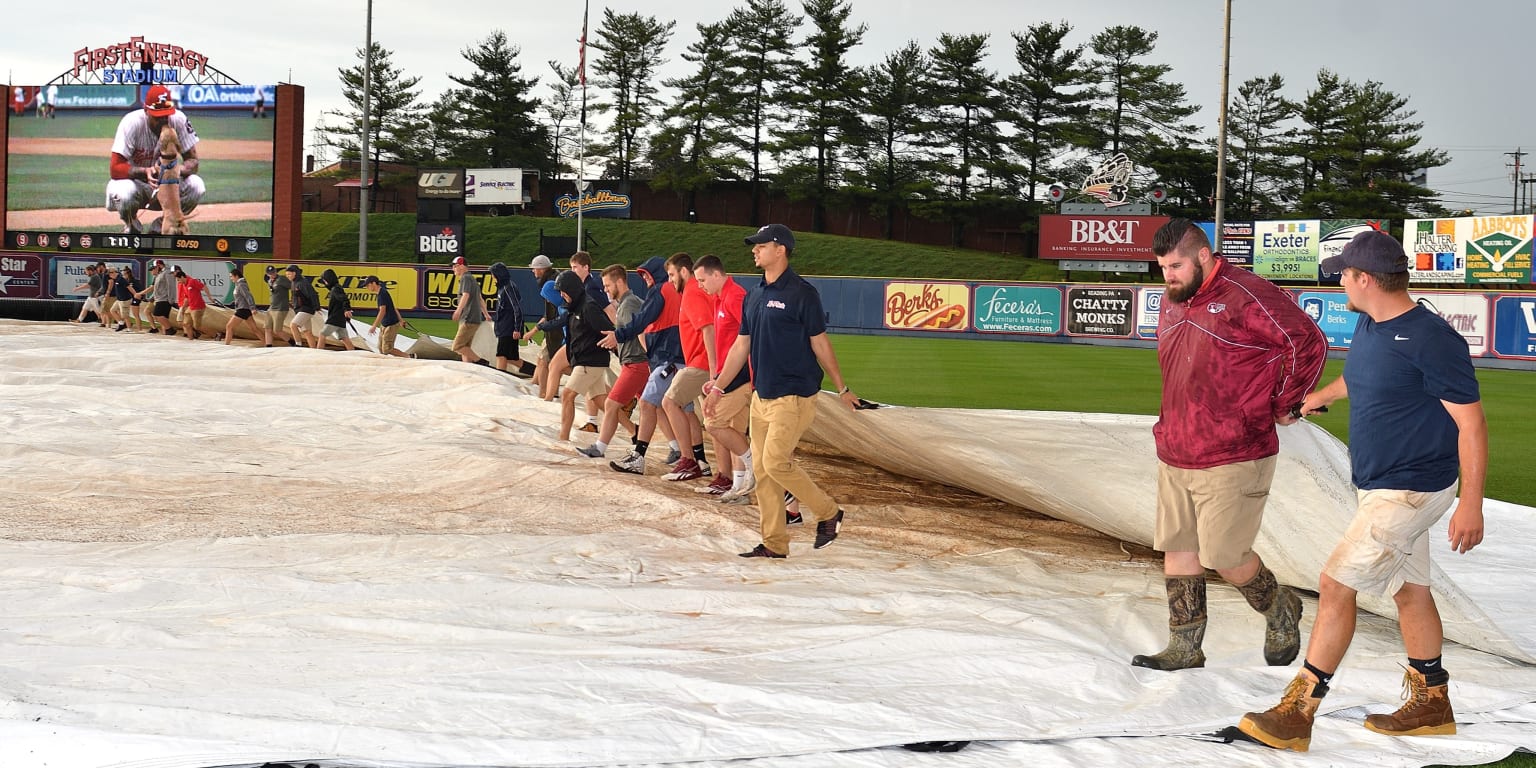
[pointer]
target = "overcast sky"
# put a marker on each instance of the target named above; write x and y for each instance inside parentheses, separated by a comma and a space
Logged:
(1463, 65)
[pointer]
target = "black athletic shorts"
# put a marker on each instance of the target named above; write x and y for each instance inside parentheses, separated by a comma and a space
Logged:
(243, 314)
(506, 346)
(162, 309)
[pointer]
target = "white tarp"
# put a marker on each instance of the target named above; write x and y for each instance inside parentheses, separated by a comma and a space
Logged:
(218, 555)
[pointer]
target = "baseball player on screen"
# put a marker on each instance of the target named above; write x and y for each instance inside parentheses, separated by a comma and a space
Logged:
(137, 161)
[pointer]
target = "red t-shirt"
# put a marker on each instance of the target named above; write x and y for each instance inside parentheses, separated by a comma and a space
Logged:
(192, 294)
(728, 305)
(671, 299)
(697, 311)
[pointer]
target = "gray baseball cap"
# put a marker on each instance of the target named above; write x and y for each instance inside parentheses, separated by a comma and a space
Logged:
(1373, 251)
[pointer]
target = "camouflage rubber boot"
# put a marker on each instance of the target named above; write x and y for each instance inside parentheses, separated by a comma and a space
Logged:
(1281, 607)
(1288, 725)
(1186, 627)
(1427, 711)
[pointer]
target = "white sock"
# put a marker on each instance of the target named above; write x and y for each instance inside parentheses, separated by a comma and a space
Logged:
(737, 478)
(672, 444)
(746, 459)
(599, 445)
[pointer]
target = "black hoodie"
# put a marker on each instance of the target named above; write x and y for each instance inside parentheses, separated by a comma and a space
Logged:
(509, 303)
(338, 304)
(586, 326)
(304, 297)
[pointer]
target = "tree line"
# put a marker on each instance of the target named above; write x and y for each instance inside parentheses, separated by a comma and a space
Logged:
(769, 98)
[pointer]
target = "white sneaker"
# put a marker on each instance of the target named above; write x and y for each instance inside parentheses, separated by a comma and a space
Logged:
(748, 485)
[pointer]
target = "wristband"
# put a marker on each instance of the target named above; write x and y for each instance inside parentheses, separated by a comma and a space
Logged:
(845, 390)
(711, 387)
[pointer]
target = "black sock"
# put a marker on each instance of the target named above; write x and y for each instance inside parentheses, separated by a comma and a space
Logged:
(698, 453)
(1323, 679)
(641, 445)
(1434, 674)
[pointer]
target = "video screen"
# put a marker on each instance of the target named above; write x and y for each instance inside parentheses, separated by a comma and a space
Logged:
(88, 161)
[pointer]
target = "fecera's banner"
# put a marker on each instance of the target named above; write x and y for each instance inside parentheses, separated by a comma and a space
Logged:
(927, 306)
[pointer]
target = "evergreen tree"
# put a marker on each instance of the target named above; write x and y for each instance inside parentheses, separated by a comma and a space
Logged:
(391, 118)
(1374, 158)
(760, 65)
(501, 115)
(1140, 105)
(824, 97)
(1322, 117)
(691, 151)
(965, 126)
(1049, 97)
(898, 110)
(1188, 174)
(629, 47)
(1262, 168)
(562, 110)
(439, 137)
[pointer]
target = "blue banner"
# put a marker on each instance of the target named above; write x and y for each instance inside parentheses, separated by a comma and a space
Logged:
(1329, 312)
(194, 96)
(1514, 326)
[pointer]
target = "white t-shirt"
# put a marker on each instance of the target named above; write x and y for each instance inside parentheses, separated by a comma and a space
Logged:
(135, 141)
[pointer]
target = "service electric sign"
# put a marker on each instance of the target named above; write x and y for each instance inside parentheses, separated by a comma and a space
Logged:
(1070, 236)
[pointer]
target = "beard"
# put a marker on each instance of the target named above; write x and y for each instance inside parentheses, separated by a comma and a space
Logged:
(1185, 292)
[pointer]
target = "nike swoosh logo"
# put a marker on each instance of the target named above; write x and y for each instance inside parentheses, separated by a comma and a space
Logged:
(1399, 338)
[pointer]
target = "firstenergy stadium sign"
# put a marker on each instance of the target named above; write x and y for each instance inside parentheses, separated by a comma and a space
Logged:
(138, 61)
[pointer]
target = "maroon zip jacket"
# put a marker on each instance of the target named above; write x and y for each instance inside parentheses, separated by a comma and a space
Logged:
(1237, 355)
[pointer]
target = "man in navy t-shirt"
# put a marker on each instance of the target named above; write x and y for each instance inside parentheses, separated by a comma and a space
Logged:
(784, 336)
(387, 321)
(1415, 424)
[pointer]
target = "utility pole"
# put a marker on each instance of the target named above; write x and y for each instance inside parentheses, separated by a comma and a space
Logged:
(362, 187)
(1515, 203)
(1221, 132)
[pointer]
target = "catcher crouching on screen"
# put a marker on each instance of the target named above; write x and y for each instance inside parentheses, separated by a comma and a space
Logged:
(139, 164)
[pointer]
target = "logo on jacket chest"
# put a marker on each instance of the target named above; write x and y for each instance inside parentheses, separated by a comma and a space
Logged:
(1215, 308)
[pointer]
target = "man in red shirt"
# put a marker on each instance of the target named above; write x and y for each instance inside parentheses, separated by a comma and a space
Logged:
(193, 296)
(728, 424)
(1238, 356)
(695, 323)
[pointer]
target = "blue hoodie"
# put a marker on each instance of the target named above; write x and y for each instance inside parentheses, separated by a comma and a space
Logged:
(552, 295)
(665, 346)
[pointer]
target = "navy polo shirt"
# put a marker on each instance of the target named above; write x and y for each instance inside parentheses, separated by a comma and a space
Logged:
(781, 317)
(595, 290)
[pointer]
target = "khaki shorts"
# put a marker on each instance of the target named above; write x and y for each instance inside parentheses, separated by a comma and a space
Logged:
(193, 318)
(588, 381)
(687, 385)
(1387, 544)
(387, 336)
(303, 322)
(278, 320)
(465, 335)
(1215, 512)
(732, 410)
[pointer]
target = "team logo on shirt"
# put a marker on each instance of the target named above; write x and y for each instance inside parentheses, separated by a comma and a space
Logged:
(1215, 308)
(775, 304)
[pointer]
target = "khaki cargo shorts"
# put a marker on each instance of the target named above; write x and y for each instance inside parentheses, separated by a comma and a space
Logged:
(589, 381)
(1215, 512)
(1387, 544)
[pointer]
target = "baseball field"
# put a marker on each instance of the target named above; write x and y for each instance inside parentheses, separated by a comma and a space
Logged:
(57, 173)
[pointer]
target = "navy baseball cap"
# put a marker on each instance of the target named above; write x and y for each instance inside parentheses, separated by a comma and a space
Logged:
(1373, 251)
(773, 233)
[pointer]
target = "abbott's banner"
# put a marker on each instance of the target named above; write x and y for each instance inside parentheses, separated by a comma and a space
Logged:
(1434, 251)
(1334, 235)
(1285, 250)
(1498, 249)
(927, 306)
(1018, 309)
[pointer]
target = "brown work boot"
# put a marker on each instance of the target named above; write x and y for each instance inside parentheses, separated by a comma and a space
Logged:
(1186, 626)
(1427, 711)
(1287, 725)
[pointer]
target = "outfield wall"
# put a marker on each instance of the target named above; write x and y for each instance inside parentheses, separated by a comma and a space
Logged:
(1500, 327)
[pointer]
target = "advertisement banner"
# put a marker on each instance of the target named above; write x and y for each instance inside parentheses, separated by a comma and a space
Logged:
(242, 96)
(1285, 250)
(214, 274)
(1149, 304)
(1468, 313)
(401, 282)
(440, 184)
(1236, 243)
(95, 97)
(603, 204)
(440, 289)
(1514, 326)
(1100, 311)
(1498, 249)
(493, 186)
(1018, 309)
(21, 277)
(927, 306)
(1072, 236)
(70, 280)
(1336, 233)
(1434, 251)
(1328, 310)
(439, 239)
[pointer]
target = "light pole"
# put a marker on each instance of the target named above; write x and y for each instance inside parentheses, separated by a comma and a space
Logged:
(1221, 129)
(362, 186)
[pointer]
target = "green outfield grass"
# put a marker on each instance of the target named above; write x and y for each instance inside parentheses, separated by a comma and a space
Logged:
(93, 124)
(45, 182)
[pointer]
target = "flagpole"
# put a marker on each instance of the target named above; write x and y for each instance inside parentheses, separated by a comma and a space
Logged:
(581, 159)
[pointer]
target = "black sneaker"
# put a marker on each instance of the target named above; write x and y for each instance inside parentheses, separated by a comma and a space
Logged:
(826, 530)
(634, 464)
(795, 518)
(761, 551)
